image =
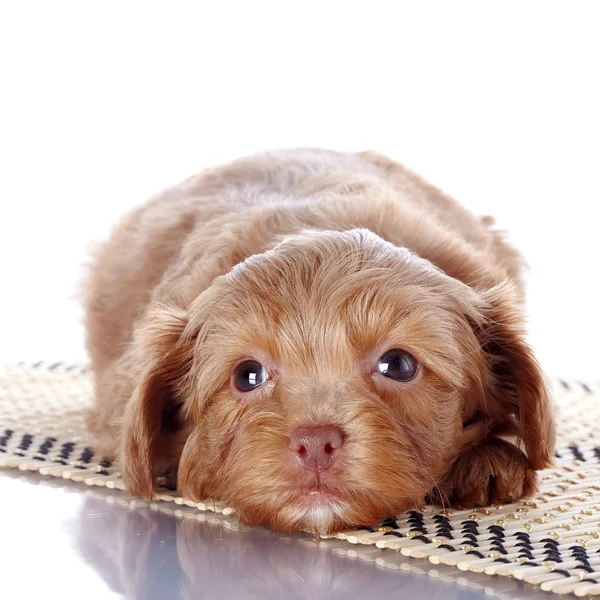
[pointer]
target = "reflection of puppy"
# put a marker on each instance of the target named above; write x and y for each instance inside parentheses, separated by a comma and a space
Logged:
(133, 550)
(146, 555)
(318, 339)
(258, 565)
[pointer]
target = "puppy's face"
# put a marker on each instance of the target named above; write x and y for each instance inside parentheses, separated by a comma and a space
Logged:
(327, 383)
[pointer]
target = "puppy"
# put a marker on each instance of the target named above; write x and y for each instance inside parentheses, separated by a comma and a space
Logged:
(318, 339)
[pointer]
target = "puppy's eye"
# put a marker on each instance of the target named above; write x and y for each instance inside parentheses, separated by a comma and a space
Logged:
(249, 375)
(398, 365)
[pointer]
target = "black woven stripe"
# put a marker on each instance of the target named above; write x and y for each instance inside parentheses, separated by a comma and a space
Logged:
(503, 560)
(66, 451)
(395, 533)
(389, 522)
(564, 384)
(46, 446)
(552, 556)
(422, 538)
(444, 533)
(524, 545)
(416, 522)
(8, 433)
(530, 563)
(562, 572)
(470, 531)
(444, 528)
(586, 568)
(86, 455)
(496, 530)
(586, 388)
(581, 558)
(576, 453)
(529, 556)
(548, 542)
(470, 523)
(476, 553)
(589, 580)
(467, 531)
(26, 441)
(472, 539)
(443, 520)
(447, 547)
(415, 514)
(365, 528)
(583, 561)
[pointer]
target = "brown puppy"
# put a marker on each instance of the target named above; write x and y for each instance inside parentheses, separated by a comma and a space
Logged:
(320, 340)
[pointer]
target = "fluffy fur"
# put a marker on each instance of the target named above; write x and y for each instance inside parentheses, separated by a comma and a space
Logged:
(314, 263)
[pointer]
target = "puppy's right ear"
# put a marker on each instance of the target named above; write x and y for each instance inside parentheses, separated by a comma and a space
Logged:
(163, 358)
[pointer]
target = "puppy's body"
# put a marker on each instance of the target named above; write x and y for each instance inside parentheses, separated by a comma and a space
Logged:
(311, 263)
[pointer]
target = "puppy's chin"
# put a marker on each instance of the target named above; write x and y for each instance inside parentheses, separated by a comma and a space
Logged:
(318, 514)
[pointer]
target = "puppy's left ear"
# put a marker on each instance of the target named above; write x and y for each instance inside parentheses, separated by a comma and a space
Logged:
(161, 361)
(513, 382)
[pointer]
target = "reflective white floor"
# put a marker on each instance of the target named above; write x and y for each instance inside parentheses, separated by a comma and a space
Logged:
(57, 541)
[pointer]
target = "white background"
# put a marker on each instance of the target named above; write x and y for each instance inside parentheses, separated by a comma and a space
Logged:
(102, 104)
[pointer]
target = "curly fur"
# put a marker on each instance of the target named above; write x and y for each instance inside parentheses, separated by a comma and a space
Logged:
(314, 263)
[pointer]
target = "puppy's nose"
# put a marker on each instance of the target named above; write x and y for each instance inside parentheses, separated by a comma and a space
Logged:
(315, 446)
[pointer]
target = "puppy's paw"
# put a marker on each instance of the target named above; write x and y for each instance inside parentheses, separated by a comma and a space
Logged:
(495, 472)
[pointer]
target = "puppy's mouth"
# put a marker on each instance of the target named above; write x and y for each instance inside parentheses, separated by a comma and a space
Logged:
(319, 496)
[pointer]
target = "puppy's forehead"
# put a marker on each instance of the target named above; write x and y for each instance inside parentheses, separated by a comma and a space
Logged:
(313, 334)
(326, 298)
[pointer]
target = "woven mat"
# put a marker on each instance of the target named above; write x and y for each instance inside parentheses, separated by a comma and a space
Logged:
(551, 541)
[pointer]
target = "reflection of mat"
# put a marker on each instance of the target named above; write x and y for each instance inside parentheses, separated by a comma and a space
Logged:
(553, 540)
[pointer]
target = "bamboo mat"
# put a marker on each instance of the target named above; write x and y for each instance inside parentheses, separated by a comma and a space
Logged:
(551, 541)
